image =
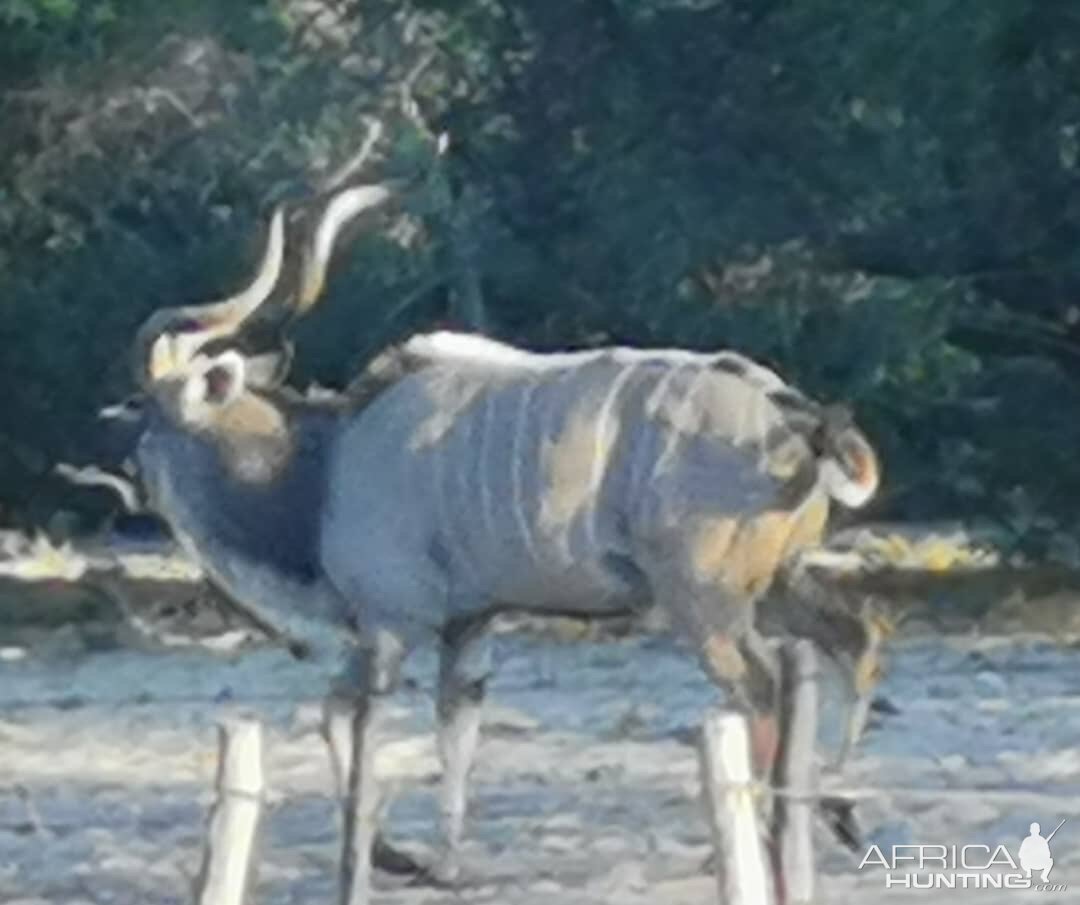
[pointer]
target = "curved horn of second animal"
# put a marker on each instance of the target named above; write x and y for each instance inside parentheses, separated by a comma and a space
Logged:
(342, 209)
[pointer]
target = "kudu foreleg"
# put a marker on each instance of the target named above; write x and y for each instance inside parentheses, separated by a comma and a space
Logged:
(372, 675)
(337, 732)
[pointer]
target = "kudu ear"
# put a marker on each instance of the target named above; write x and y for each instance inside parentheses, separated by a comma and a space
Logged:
(213, 384)
(268, 369)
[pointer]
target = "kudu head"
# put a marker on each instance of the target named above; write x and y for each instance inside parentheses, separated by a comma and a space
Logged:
(191, 363)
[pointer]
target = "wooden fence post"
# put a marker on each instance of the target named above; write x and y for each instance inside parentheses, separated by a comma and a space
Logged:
(727, 784)
(227, 871)
(796, 771)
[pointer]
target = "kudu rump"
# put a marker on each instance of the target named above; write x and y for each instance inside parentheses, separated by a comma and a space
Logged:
(460, 477)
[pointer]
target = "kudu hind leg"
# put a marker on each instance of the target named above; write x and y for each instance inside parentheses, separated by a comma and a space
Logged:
(464, 668)
(761, 687)
(850, 629)
(740, 661)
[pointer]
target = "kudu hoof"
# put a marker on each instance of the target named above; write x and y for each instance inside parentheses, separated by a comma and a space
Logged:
(447, 873)
(395, 861)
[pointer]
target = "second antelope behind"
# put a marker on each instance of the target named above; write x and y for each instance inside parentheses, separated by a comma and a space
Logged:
(460, 477)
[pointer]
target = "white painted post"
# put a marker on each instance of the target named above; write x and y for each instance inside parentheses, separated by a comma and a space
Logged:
(727, 784)
(793, 816)
(226, 875)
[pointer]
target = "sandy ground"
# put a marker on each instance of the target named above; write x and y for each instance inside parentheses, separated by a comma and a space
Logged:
(585, 790)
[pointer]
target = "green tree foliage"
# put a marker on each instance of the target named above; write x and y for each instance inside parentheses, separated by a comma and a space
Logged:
(879, 199)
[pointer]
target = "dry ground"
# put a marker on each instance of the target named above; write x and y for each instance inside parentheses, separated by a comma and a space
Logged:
(585, 789)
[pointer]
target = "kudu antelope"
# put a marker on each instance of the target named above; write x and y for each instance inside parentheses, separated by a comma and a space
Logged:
(460, 477)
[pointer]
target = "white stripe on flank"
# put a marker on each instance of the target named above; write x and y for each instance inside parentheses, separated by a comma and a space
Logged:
(441, 490)
(751, 412)
(656, 398)
(486, 439)
(657, 402)
(520, 423)
(691, 397)
(606, 431)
